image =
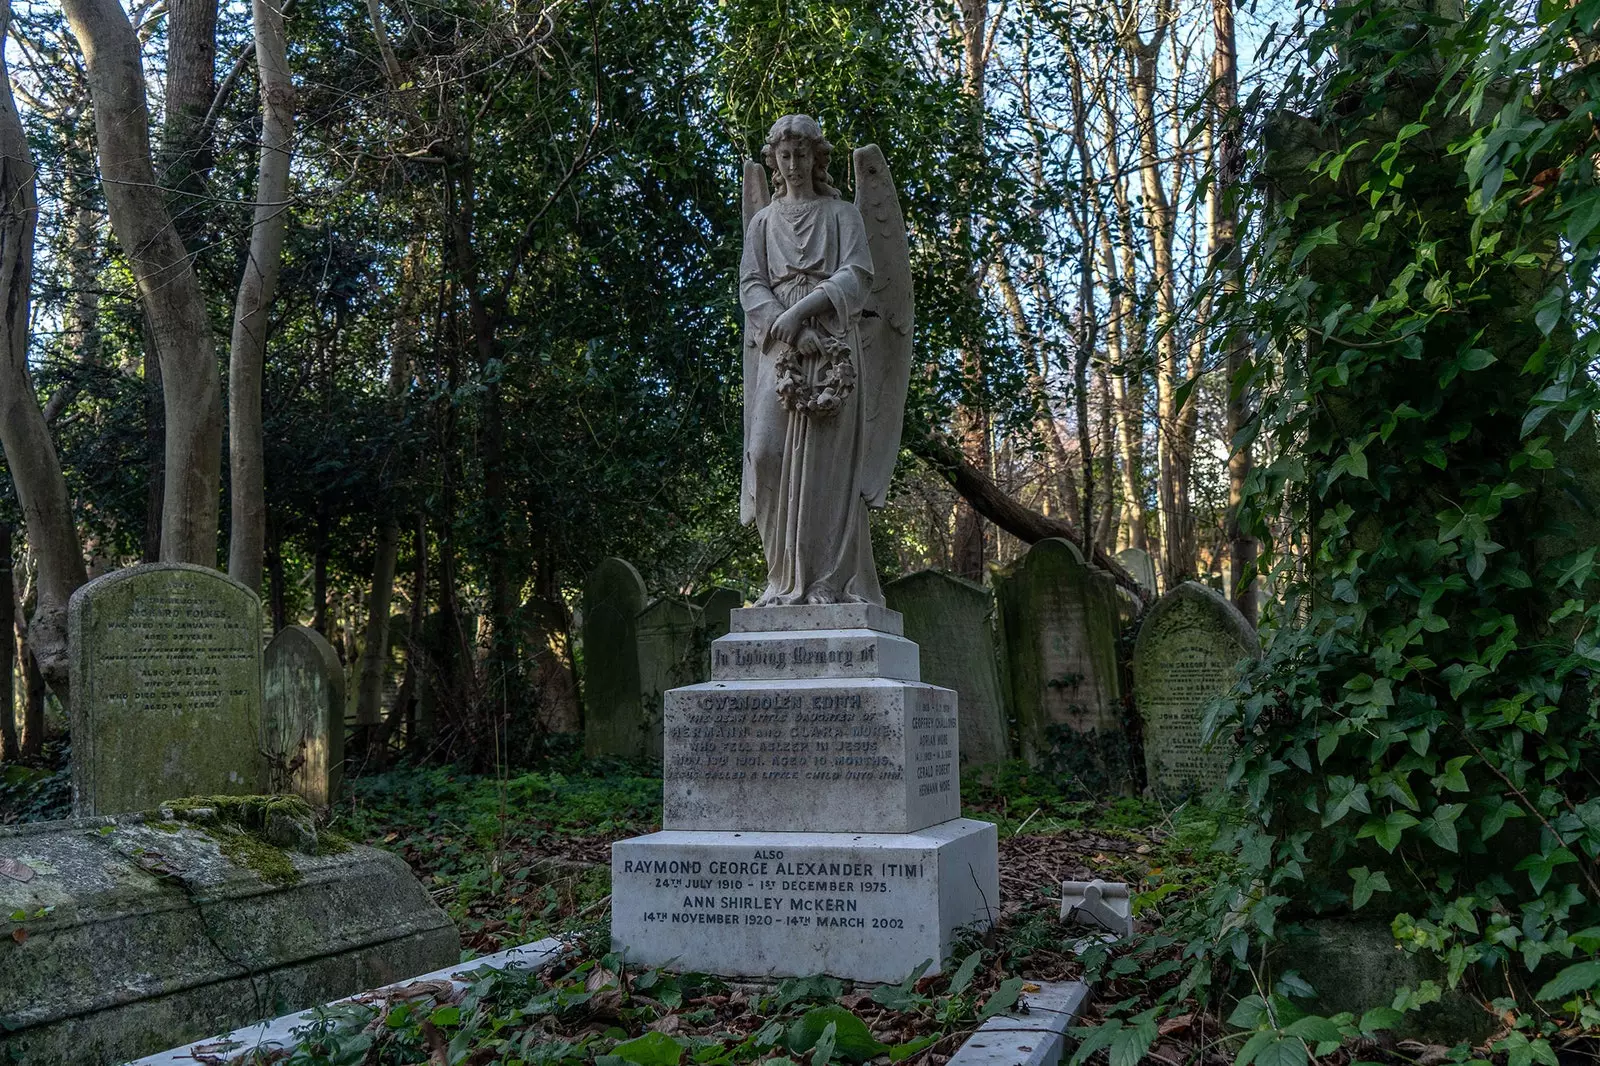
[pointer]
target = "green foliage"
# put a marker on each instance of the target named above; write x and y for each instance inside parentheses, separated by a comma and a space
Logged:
(1417, 735)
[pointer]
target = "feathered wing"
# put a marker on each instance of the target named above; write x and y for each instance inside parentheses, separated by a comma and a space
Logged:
(757, 194)
(885, 363)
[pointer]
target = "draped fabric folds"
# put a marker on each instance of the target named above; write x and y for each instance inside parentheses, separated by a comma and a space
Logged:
(807, 468)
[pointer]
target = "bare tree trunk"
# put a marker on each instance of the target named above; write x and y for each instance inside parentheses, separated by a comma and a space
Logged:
(9, 748)
(30, 453)
(1177, 552)
(81, 327)
(1107, 515)
(375, 655)
(1225, 225)
(191, 78)
(1045, 423)
(155, 443)
(33, 686)
(168, 288)
(972, 418)
(248, 531)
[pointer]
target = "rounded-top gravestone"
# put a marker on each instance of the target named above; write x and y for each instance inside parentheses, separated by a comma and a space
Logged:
(1059, 622)
(613, 596)
(165, 663)
(952, 621)
(303, 724)
(1185, 656)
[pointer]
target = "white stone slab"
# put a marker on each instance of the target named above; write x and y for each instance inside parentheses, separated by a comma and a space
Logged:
(1032, 1034)
(866, 907)
(278, 1033)
(873, 756)
(819, 616)
(830, 653)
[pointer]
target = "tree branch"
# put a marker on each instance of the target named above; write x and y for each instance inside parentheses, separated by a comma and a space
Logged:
(1024, 523)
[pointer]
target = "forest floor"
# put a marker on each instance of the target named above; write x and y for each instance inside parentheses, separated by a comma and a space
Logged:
(514, 858)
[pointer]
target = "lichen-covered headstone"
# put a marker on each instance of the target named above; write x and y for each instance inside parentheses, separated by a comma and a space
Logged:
(303, 715)
(165, 664)
(952, 620)
(1137, 562)
(668, 657)
(1059, 626)
(1188, 646)
(613, 596)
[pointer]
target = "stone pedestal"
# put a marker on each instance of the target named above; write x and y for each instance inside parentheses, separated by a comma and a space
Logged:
(811, 816)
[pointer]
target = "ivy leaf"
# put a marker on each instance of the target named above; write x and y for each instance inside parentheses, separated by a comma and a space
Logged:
(1130, 1045)
(1540, 867)
(1578, 977)
(651, 1049)
(1367, 883)
(1314, 1028)
(1387, 831)
(1004, 998)
(1476, 359)
(965, 972)
(1440, 827)
(850, 1039)
(1285, 1051)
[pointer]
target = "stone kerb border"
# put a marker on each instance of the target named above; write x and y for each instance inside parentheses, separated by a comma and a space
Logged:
(278, 1034)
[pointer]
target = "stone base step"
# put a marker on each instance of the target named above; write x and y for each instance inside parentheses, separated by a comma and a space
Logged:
(823, 653)
(818, 616)
(861, 906)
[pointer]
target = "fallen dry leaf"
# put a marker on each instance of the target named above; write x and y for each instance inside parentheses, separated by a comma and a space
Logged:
(1173, 1026)
(19, 934)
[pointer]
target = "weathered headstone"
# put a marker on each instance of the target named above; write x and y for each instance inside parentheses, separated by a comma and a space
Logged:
(613, 722)
(1137, 562)
(303, 715)
(952, 621)
(1059, 626)
(668, 657)
(165, 664)
(1188, 646)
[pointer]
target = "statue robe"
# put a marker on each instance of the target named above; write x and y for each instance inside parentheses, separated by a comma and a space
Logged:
(806, 469)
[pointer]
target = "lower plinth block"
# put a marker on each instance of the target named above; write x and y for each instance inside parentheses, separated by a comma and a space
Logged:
(861, 906)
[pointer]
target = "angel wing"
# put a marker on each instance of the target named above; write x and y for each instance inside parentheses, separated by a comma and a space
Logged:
(757, 194)
(885, 328)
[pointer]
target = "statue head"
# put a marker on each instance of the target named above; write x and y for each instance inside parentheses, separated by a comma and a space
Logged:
(802, 129)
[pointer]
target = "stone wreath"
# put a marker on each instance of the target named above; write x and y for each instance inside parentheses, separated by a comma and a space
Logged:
(837, 382)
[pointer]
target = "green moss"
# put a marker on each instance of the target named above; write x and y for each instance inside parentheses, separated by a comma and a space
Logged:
(248, 851)
(331, 843)
(253, 831)
(164, 826)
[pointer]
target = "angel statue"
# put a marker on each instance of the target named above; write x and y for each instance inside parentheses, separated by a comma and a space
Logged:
(826, 291)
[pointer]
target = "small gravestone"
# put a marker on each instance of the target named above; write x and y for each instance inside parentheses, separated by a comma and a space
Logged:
(613, 722)
(1059, 626)
(165, 663)
(951, 619)
(1185, 656)
(303, 723)
(668, 658)
(1137, 562)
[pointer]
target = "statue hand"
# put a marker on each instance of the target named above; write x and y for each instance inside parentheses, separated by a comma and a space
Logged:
(787, 327)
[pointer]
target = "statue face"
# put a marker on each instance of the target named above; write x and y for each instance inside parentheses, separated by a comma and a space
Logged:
(794, 160)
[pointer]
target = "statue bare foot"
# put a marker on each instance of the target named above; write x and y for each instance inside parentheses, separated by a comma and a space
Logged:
(821, 594)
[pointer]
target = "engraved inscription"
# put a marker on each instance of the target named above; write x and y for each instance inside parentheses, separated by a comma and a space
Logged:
(1174, 711)
(796, 656)
(766, 888)
(783, 736)
(176, 651)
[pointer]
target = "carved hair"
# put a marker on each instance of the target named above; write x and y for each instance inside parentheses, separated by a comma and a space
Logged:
(801, 128)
